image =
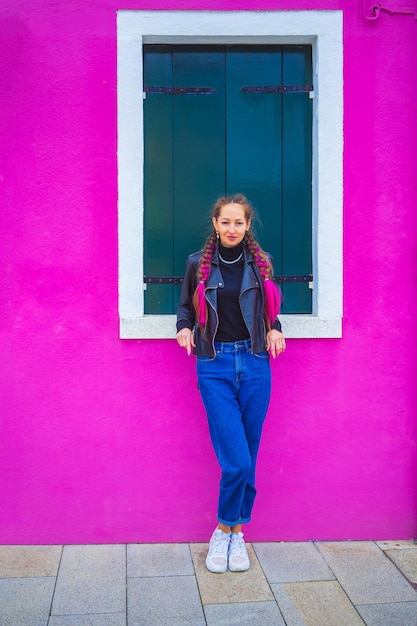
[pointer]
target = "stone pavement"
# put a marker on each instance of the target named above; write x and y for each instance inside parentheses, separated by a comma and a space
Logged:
(311, 584)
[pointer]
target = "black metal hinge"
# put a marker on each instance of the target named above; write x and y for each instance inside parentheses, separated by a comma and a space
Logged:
(296, 278)
(201, 91)
(277, 88)
(177, 280)
(179, 91)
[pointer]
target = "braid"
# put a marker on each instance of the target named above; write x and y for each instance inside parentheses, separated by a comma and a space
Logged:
(207, 257)
(261, 258)
(271, 291)
(199, 300)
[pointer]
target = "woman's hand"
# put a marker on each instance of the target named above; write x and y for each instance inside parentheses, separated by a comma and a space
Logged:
(275, 342)
(186, 340)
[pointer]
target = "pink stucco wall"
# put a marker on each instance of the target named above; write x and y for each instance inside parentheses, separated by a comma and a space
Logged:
(105, 440)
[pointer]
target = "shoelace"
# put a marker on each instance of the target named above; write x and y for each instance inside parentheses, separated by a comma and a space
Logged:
(238, 546)
(219, 545)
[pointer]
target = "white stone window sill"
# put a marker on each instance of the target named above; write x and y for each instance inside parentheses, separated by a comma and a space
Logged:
(293, 326)
(324, 31)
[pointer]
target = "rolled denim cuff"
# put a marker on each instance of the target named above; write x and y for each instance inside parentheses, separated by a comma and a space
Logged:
(242, 520)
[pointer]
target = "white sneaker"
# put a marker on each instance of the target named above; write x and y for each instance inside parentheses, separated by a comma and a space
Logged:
(238, 555)
(216, 560)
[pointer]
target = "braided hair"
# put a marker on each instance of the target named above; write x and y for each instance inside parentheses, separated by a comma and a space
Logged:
(271, 291)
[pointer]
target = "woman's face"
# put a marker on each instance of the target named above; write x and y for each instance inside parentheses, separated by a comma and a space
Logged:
(231, 225)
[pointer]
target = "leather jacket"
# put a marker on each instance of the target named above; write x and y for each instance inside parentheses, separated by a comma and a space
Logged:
(251, 303)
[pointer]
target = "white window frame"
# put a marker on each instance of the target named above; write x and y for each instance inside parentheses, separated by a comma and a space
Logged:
(324, 31)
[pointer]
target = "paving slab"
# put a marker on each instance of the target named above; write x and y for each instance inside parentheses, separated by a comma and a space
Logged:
(244, 614)
(29, 561)
(365, 573)
(398, 614)
(106, 619)
(230, 587)
(292, 562)
(397, 545)
(25, 601)
(91, 579)
(406, 561)
(159, 560)
(164, 601)
(315, 604)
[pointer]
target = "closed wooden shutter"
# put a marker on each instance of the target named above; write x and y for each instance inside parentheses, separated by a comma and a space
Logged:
(221, 120)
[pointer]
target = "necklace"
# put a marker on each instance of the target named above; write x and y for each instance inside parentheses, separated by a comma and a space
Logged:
(231, 262)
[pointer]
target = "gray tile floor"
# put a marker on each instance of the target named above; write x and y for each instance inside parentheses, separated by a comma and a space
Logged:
(298, 584)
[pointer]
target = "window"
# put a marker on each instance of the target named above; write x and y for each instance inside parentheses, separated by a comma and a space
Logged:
(221, 120)
(227, 38)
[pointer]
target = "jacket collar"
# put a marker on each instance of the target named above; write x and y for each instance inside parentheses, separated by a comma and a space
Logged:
(250, 276)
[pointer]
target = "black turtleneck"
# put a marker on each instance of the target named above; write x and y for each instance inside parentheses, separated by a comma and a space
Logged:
(231, 324)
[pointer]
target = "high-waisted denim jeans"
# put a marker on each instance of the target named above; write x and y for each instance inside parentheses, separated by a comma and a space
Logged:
(235, 386)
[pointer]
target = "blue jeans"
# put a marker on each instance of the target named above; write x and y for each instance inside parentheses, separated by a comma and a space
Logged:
(235, 387)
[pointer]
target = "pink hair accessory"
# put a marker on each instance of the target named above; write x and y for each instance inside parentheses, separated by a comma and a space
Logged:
(202, 305)
(272, 300)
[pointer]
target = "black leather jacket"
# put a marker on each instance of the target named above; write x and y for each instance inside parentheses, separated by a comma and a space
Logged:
(251, 303)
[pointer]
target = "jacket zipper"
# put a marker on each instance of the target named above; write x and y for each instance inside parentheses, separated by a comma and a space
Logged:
(240, 295)
(217, 322)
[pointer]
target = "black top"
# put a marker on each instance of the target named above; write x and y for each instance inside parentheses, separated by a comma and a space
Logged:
(231, 324)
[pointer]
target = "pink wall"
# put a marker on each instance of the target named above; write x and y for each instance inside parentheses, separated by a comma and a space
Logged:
(99, 440)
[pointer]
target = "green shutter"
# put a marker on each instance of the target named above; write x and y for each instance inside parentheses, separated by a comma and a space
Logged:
(297, 192)
(254, 139)
(158, 174)
(198, 130)
(225, 139)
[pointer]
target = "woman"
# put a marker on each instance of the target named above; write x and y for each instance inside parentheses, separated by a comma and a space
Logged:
(227, 316)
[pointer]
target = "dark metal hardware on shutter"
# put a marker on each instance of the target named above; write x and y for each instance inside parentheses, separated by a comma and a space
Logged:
(179, 91)
(276, 88)
(177, 280)
(163, 280)
(305, 278)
